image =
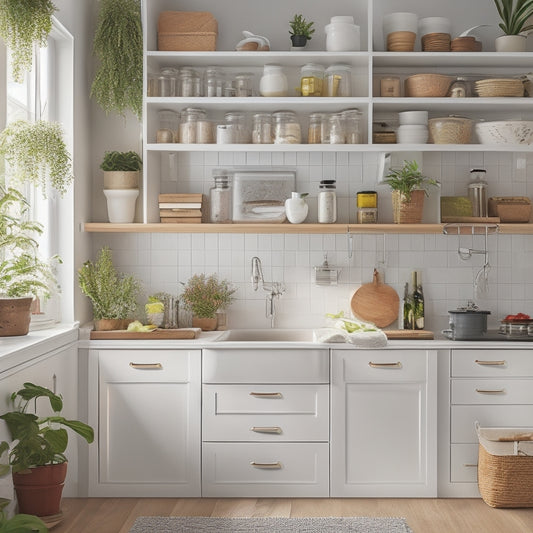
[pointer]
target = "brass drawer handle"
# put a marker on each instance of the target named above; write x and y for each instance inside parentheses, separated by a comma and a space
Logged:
(272, 466)
(273, 429)
(490, 391)
(398, 364)
(147, 366)
(266, 394)
(470, 465)
(491, 363)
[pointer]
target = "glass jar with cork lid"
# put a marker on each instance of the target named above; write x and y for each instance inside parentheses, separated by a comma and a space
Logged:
(367, 203)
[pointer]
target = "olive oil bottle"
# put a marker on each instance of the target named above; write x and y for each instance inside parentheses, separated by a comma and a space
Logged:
(417, 297)
(407, 308)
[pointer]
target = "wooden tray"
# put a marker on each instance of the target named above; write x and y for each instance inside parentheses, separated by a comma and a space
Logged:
(420, 334)
(156, 334)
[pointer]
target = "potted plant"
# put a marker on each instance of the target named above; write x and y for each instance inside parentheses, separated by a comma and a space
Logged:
(204, 296)
(21, 523)
(23, 24)
(515, 24)
(37, 459)
(118, 45)
(301, 31)
(23, 274)
(409, 187)
(113, 294)
(37, 153)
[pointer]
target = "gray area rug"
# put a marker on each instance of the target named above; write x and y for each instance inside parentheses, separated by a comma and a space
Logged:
(205, 524)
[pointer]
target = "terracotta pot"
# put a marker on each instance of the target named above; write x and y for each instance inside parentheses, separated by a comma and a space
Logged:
(110, 324)
(39, 489)
(15, 316)
(207, 324)
(408, 212)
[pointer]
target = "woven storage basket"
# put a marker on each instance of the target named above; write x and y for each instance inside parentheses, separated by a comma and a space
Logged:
(510, 208)
(408, 212)
(428, 85)
(505, 479)
(187, 31)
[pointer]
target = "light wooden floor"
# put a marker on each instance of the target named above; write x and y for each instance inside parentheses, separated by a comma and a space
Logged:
(116, 515)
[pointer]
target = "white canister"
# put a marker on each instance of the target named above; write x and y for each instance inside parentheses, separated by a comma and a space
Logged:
(296, 208)
(121, 205)
(342, 35)
(273, 82)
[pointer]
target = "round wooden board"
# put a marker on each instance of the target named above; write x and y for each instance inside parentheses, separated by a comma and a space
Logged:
(376, 302)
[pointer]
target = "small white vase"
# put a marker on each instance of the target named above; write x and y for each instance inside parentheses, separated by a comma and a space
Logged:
(511, 43)
(121, 205)
(296, 208)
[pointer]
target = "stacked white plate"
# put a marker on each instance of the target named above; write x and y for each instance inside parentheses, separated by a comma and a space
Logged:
(413, 127)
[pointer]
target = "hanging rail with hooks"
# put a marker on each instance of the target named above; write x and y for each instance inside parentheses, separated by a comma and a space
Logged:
(470, 229)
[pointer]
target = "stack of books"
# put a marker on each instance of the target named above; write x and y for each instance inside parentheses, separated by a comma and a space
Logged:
(181, 208)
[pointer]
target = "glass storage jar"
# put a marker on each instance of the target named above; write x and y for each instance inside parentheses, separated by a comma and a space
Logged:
(188, 124)
(220, 198)
(286, 128)
(327, 202)
(311, 79)
(352, 126)
(338, 81)
(235, 129)
(243, 83)
(213, 82)
(273, 82)
(166, 82)
(262, 128)
(317, 125)
(167, 132)
(188, 83)
(336, 131)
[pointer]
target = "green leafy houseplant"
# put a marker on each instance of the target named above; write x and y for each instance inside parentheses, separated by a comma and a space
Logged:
(118, 45)
(205, 295)
(408, 179)
(36, 152)
(121, 161)
(514, 15)
(22, 24)
(300, 26)
(20, 523)
(113, 294)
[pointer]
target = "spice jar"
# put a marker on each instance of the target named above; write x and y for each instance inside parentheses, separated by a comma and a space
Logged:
(327, 202)
(220, 198)
(311, 79)
(390, 87)
(317, 125)
(273, 82)
(338, 81)
(167, 131)
(352, 126)
(262, 128)
(367, 203)
(286, 128)
(188, 124)
(213, 82)
(188, 83)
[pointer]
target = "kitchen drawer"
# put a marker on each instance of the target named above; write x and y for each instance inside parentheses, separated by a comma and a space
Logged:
(282, 469)
(464, 416)
(265, 365)
(147, 366)
(492, 363)
(384, 365)
(265, 413)
(492, 391)
(463, 463)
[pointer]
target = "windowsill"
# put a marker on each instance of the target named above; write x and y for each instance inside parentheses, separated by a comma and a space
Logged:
(15, 351)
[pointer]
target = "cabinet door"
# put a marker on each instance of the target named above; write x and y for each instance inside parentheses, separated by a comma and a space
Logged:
(149, 421)
(383, 438)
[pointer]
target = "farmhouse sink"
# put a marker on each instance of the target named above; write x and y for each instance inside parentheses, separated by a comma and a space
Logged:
(267, 335)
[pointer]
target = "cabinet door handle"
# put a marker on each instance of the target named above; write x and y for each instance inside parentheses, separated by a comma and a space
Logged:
(468, 465)
(491, 363)
(273, 429)
(272, 466)
(266, 394)
(490, 391)
(398, 364)
(147, 366)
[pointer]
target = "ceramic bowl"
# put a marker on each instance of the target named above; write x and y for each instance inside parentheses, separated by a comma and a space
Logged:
(412, 134)
(413, 117)
(505, 132)
(434, 25)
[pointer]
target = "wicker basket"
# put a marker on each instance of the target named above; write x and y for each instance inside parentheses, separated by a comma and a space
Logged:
(408, 212)
(187, 41)
(428, 85)
(187, 31)
(505, 466)
(510, 208)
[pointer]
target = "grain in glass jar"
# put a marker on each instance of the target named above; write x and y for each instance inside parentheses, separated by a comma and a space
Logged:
(352, 126)
(220, 200)
(338, 81)
(167, 132)
(188, 124)
(189, 83)
(213, 82)
(317, 124)
(327, 202)
(311, 79)
(235, 129)
(262, 128)
(337, 134)
(390, 87)
(286, 128)
(243, 83)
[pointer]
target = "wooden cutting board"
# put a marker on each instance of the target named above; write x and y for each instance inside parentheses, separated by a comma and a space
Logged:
(156, 334)
(376, 302)
(421, 334)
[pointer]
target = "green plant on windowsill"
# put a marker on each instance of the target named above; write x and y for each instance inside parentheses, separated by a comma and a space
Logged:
(24, 23)
(514, 16)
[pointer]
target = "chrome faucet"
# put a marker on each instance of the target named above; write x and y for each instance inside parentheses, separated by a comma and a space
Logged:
(275, 289)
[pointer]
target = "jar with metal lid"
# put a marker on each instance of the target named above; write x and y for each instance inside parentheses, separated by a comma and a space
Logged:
(273, 82)
(220, 198)
(311, 79)
(327, 202)
(352, 126)
(286, 128)
(317, 124)
(262, 128)
(188, 83)
(188, 124)
(213, 82)
(367, 199)
(338, 81)
(337, 134)
(243, 83)
(167, 132)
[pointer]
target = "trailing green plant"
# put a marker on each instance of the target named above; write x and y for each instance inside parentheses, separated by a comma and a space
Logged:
(39, 441)
(22, 272)
(36, 153)
(24, 23)
(112, 293)
(20, 523)
(407, 179)
(514, 15)
(125, 161)
(205, 295)
(118, 45)
(300, 26)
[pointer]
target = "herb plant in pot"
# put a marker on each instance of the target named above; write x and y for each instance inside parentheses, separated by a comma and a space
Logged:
(409, 188)
(300, 31)
(113, 294)
(37, 455)
(204, 296)
(515, 24)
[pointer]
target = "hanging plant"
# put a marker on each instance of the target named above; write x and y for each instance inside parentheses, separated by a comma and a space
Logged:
(24, 23)
(118, 44)
(36, 153)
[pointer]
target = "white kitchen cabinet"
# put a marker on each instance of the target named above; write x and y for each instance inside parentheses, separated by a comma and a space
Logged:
(383, 423)
(147, 411)
(265, 423)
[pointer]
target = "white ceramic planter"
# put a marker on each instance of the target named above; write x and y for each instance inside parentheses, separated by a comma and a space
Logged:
(121, 205)
(296, 208)
(511, 43)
